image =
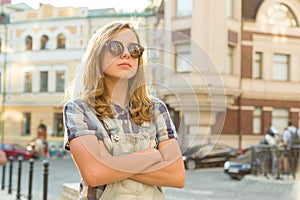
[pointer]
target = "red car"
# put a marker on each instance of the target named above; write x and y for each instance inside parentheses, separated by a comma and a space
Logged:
(16, 151)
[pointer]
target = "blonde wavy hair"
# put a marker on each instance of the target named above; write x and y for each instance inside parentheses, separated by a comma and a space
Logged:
(89, 84)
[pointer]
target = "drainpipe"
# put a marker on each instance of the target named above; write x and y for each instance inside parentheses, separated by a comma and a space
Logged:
(239, 99)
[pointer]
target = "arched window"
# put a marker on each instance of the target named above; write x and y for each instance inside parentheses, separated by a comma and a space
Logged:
(44, 42)
(61, 41)
(28, 43)
(280, 15)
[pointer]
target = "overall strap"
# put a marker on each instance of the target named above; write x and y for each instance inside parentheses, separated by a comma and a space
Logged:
(110, 125)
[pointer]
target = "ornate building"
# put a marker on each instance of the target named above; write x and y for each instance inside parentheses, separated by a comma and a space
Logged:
(227, 69)
(242, 64)
(40, 51)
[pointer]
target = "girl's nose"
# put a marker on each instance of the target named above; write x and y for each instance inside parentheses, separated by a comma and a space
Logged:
(126, 53)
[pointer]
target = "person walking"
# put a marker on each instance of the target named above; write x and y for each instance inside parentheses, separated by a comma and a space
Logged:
(122, 140)
(40, 144)
(269, 151)
(291, 155)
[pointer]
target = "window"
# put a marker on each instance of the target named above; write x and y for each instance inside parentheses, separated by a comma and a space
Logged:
(45, 42)
(58, 125)
(61, 41)
(44, 81)
(229, 8)
(230, 60)
(280, 71)
(257, 66)
(280, 118)
(28, 43)
(183, 57)
(60, 81)
(257, 114)
(26, 123)
(280, 15)
(184, 8)
(28, 82)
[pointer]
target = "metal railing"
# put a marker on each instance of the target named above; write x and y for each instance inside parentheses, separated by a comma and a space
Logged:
(19, 177)
(276, 160)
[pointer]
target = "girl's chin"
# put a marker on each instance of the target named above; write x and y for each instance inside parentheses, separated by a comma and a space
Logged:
(123, 76)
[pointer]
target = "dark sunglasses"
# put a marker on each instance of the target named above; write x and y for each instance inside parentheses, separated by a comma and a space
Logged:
(116, 48)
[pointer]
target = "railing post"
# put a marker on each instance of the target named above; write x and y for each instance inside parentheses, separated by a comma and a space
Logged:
(46, 168)
(3, 177)
(11, 159)
(31, 161)
(20, 159)
(253, 161)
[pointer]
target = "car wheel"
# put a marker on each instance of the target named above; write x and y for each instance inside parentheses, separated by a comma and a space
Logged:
(239, 177)
(191, 164)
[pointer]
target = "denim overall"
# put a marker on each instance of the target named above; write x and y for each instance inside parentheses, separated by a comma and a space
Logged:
(118, 143)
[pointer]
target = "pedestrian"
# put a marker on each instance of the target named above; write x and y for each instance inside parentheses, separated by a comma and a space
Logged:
(3, 158)
(269, 164)
(290, 155)
(270, 138)
(41, 144)
(122, 140)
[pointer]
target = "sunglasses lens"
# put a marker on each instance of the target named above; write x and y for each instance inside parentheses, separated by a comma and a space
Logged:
(116, 48)
(135, 50)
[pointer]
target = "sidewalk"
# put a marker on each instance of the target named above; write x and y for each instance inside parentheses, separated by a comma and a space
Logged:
(294, 183)
(5, 196)
(271, 179)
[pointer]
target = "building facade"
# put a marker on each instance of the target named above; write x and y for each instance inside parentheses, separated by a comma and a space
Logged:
(40, 51)
(227, 69)
(252, 47)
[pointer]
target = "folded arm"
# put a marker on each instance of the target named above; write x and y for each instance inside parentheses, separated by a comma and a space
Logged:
(169, 172)
(98, 167)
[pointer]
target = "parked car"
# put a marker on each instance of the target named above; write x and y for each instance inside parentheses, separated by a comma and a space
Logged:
(16, 151)
(240, 166)
(208, 155)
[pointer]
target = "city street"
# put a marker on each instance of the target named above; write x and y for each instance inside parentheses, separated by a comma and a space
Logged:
(207, 184)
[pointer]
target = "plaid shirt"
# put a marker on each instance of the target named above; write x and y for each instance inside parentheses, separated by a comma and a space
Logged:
(79, 120)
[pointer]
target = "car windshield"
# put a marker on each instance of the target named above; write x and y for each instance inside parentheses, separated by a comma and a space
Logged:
(192, 150)
(247, 154)
(6, 146)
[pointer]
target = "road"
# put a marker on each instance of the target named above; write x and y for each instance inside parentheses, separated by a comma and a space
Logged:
(207, 184)
(213, 184)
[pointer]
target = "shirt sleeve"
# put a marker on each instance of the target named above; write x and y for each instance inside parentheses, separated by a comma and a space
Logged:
(270, 140)
(285, 137)
(77, 121)
(164, 125)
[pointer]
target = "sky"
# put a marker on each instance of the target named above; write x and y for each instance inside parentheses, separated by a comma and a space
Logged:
(126, 5)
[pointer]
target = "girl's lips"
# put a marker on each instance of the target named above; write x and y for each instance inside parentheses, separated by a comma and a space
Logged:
(125, 64)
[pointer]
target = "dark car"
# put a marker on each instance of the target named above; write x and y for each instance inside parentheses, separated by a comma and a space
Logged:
(238, 167)
(208, 155)
(16, 151)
